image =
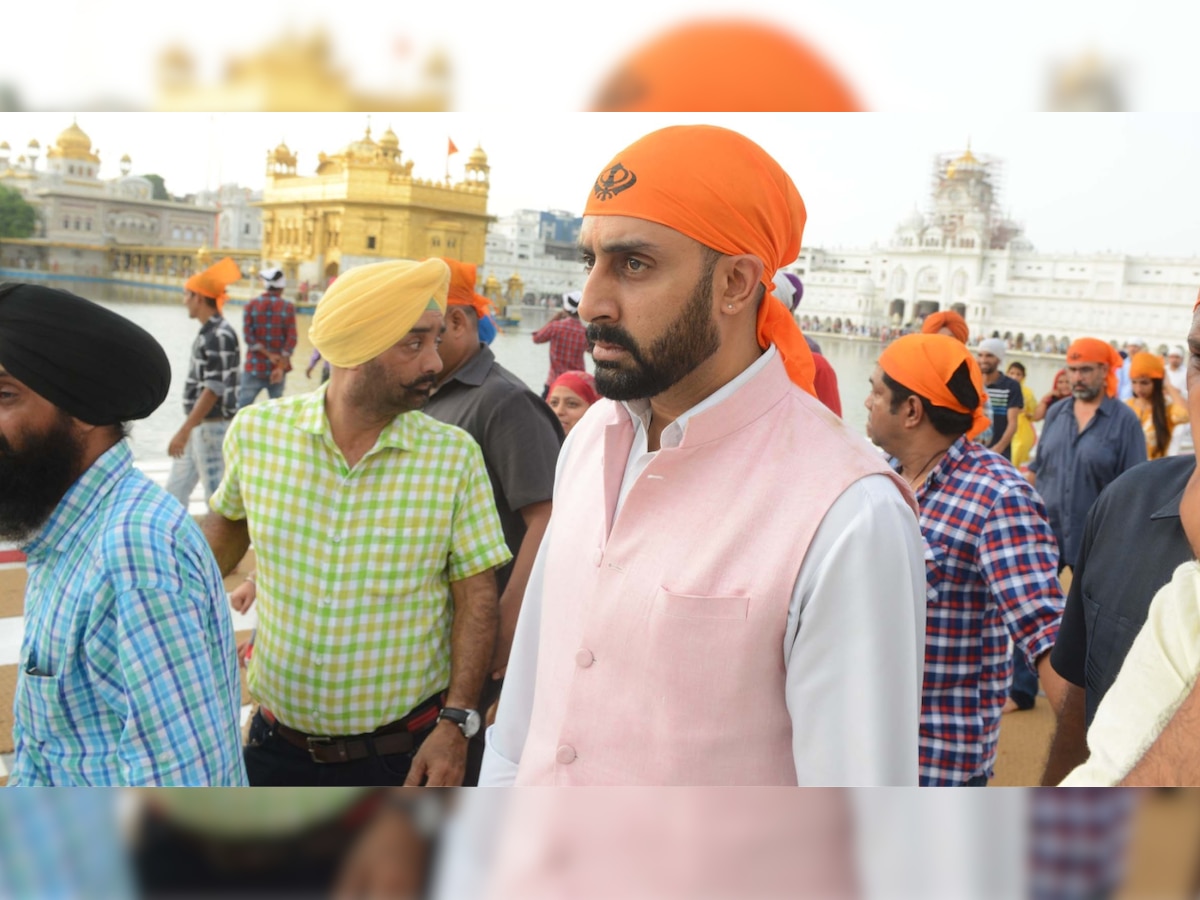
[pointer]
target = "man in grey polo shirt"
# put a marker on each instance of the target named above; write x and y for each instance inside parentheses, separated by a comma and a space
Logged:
(520, 437)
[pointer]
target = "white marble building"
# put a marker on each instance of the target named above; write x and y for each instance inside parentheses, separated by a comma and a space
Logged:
(540, 247)
(966, 255)
(239, 223)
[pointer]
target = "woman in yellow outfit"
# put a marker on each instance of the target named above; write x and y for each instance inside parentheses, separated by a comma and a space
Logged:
(1025, 437)
(1158, 404)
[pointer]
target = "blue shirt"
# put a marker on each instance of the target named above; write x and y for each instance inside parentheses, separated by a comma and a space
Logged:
(1074, 466)
(128, 669)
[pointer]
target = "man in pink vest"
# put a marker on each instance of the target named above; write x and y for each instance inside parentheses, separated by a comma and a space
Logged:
(731, 587)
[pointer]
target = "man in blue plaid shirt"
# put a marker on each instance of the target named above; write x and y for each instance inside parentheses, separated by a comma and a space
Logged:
(991, 563)
(128, 674)
(269, 330)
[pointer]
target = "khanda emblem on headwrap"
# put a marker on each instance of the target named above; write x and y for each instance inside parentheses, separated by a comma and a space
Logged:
(612, 182)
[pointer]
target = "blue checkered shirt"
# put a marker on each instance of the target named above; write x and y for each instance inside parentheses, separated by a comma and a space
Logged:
(991, 571)
(128, 666)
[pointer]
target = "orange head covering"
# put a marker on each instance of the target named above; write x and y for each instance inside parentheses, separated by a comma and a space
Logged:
(722, 64)
(213, 281)
(721, 189)
(1094, 350)
(1147, 365)
(923, 363)
(462, 288)
(935, 322)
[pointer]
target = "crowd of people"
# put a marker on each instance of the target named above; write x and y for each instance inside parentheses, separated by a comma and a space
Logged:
(683, 568)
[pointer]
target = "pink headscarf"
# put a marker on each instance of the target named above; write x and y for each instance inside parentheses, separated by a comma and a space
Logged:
(583, 384)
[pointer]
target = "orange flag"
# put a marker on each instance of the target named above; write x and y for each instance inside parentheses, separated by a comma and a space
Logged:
(450, 147)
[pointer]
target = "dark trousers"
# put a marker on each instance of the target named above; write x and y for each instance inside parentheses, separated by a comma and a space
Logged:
(1024, 689)
(171, 860)
(273, 762)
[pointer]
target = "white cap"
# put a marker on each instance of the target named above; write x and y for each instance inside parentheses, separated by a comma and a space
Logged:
(273, 276)
(1135, 341)
(571, 301)
(1177, 351)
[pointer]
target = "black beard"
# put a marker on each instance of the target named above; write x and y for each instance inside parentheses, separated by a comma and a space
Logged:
(688, 341)
(34, 479)
(385, 399)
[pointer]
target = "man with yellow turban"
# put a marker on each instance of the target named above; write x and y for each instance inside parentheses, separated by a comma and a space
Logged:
(376, 537)
(731, 588)
(1087, 441)
(992, 571)
(210, 391)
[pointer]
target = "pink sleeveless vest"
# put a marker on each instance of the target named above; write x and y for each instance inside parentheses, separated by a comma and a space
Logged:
(660, 657)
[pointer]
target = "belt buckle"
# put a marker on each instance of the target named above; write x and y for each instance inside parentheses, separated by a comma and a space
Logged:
(315, 742)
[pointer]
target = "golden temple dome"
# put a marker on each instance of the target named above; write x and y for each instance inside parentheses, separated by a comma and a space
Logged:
(4, 145)
(74, 138)
(389, 140)
(73, 143)
(282, 153)
(364, 147)
(34, 145)
(478, 157)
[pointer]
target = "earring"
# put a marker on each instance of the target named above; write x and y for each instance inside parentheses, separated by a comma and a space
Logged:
(730, 306)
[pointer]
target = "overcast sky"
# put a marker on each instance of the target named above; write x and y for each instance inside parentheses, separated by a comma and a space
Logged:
(1122, 182)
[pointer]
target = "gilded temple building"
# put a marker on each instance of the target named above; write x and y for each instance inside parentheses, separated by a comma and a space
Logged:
(363, 205)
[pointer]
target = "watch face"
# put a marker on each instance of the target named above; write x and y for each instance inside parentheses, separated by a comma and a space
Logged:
(468, 720)
(471, 726)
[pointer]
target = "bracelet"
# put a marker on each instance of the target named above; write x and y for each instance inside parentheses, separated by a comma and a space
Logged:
(250, 578)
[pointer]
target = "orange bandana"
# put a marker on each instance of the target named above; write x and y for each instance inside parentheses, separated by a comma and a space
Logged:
(1147, 365)
(213, 281)
(721, 189)
(1094, 350)
(462, 288)
(923, 363)
(725, 64)
(949, 319)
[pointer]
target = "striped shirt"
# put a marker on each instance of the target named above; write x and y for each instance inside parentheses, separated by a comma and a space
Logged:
(355, 564)
(991, 571)
(128, 667)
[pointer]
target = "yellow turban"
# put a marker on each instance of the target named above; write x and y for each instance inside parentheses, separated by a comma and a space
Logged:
(370, 308)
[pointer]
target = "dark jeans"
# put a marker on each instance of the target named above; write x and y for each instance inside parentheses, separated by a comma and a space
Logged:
(171, 860)
(273, 762)
(1024, 688)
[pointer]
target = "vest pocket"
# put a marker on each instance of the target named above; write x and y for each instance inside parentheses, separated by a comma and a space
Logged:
(697, 606)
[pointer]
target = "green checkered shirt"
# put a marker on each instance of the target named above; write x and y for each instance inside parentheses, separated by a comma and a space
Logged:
(354, 565)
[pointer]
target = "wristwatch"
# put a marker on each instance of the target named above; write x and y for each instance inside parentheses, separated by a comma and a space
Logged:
(467, 720)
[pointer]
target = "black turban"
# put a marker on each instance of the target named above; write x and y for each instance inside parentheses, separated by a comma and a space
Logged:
(88, 361)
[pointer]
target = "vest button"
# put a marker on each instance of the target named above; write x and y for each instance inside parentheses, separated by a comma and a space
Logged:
(565, 755)
(584, 657)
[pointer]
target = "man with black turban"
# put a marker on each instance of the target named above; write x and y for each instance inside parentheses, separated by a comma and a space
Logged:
(127, 668)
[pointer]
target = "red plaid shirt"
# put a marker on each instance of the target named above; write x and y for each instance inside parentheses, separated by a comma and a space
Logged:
(568, 342)
(268, 324)
(991, 572)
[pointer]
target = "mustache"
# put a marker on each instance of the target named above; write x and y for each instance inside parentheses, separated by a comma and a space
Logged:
(611, 334)
(422, 382)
